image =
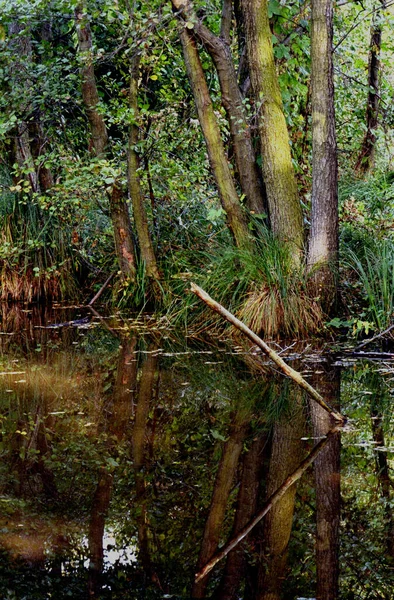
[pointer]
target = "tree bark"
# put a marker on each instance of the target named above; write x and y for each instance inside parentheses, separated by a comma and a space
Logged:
(278, 172)
(323, 239)
(217, 157)
(365, 157)
(232, 100)
(120, 217)
(137, 199)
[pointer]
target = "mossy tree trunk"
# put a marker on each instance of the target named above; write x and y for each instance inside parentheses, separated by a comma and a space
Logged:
(120, 217)
(228, 195)
(219, 49)
(278, 172)
(137, 199)
(323, 239)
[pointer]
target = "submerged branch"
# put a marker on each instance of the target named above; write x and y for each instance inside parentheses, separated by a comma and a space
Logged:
(274, 498)
(287, 370)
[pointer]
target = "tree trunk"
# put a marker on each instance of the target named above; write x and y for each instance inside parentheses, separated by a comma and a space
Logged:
(217, 157)
(365, 157)
(323, 239)
(120, 217)
(124, 246)
(278, 172)
(137, 199)
(220, 52)
(90, 95)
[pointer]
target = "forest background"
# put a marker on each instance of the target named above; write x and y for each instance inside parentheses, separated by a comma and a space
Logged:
(159, 142)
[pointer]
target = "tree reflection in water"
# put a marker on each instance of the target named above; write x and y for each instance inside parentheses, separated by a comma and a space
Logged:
(170, 452)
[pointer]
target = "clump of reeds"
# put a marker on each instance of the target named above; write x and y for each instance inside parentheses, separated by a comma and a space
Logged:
(23, 285)
(261, 287)
(296, 314)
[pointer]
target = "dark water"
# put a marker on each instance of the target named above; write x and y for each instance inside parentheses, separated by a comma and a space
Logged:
(129, 455)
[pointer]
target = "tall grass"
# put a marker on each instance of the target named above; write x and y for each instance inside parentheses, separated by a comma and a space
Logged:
(35, 257)
(374, 267)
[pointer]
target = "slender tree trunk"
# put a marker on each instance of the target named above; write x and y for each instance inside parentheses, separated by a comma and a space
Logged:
(137, 199)
(217, 157)
(365, 157)
(328, 491)
(38, 141)
(219, 50)
(120, 217)
(323, 239)
(222, 488)
(90, 95)
(278, 172)
(21, 151)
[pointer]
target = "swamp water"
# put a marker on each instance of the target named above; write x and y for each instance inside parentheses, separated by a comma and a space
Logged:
(128, 457)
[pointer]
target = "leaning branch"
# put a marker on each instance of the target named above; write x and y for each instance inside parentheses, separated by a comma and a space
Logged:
(297, 377)
(276, 496)
(372, 339)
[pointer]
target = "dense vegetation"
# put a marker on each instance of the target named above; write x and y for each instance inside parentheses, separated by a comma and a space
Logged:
(151, 141)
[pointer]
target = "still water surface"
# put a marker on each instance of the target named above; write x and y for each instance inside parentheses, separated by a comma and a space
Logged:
(129, 455)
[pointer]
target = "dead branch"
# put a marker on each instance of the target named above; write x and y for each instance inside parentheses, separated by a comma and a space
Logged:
(287, 370)
(372, 339)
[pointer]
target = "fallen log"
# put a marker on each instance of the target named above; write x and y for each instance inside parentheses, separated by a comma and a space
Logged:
(287, 370)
